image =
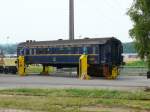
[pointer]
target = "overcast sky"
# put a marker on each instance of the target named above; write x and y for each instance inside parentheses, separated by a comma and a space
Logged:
(22, 20)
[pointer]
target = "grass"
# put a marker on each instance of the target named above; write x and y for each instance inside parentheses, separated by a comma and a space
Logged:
(72, 100)
(136, 64)
(79, 93)
(37, 69)
(34, 69)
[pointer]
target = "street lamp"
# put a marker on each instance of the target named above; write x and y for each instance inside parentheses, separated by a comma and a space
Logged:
(7, 49)
(71, 19)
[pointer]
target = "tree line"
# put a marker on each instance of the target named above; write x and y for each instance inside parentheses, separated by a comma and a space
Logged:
(9, 48)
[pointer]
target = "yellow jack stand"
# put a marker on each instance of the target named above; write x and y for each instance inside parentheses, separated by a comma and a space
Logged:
(45, 70)
(21, 66)
(115, 73)
(83, 68)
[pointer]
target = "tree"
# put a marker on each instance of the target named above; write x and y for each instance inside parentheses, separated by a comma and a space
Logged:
(139, 13)
(129, 47)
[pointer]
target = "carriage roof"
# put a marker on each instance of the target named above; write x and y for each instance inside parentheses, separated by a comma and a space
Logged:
(86, 41)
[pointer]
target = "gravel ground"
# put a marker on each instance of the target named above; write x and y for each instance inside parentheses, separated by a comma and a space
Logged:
(35, 81)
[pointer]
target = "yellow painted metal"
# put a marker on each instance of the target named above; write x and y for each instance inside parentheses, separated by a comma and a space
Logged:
(83, 68)
(21, 66)
(115, 73)
(45, 70)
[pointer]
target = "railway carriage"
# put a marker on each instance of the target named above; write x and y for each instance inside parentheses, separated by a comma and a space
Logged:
(104, 55)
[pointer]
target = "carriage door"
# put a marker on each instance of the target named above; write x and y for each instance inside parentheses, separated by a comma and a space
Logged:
(114, 53)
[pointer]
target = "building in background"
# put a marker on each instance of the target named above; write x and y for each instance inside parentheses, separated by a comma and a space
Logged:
(130, 57)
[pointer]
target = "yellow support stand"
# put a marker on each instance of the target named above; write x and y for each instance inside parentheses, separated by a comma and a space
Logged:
(115, 73)
(21, 66)
(83, 68)
(45, 70)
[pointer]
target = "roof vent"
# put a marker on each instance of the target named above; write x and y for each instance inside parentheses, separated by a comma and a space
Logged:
(86, 38)
(27, 41)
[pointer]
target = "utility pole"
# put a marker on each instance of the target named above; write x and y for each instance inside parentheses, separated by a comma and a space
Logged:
(71, 19)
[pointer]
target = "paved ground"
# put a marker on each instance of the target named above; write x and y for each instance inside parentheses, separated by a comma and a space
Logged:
(34, 81)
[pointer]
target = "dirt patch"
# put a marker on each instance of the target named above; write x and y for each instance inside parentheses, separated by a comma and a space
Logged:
(13, 110)
(147, 89)
(100, 108)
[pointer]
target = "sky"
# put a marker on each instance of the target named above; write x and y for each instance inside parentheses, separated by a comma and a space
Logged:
(22, 20)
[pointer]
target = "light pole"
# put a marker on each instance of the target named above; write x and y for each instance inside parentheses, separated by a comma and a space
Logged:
(71, 19)
(7, 50)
